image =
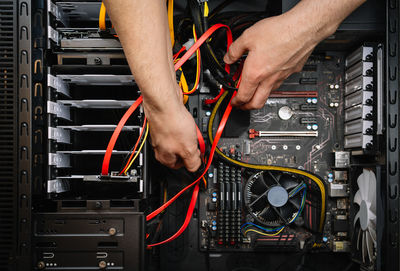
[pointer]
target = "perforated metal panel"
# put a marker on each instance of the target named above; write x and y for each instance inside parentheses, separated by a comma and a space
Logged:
(8, 135)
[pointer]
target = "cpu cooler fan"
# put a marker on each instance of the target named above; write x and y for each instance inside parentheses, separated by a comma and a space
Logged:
(365, 219)
(274, 198)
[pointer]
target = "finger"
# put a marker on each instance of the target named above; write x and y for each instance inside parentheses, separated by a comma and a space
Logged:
(236, 50)
(260, 96)
(168, 160)
(192, 162)
(248, 85)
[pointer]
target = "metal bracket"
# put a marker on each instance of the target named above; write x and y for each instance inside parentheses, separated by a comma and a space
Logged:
(59, 160)
(59, 135)
(60, 110)
(57, 12)
(58, 84)
(52, 34)
(57, 186)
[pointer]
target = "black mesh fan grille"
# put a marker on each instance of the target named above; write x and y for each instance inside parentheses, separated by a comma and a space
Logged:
(8, 134)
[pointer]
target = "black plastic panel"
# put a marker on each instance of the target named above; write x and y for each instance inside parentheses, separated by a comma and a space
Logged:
(89, 240)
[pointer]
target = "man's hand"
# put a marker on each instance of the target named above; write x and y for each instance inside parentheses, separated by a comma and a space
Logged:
(173, 137)
(279, 46)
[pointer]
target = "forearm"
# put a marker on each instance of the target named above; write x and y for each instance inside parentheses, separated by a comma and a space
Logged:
(143, 31)
(321, 18)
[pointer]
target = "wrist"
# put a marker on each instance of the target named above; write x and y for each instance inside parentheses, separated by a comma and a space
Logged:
(315, 24)
(162, 108)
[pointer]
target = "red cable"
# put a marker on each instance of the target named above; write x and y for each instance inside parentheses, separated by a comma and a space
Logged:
(117, 131)
(178, 53)
(187, 219)
(136, 145)
(189, 214)
(134, 106)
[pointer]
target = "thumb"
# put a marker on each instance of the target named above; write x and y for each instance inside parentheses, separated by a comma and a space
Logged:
(236, 50)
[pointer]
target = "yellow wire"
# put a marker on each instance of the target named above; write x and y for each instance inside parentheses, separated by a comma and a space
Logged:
(262, 233)
(139, 150)
(266, 167)
(102, 17)
(171, 21)
(206, 10)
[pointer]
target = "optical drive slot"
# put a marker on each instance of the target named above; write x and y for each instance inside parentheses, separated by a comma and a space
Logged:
(97, 103)
(98, 127)
(86, 38)
(98, 79)
(92, 152)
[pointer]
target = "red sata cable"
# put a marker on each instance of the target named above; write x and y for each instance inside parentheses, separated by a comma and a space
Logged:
(134, 106)
(189, 213)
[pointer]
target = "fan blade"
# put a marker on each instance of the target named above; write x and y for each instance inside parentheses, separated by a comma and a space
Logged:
(258, 187)
(372, 217)
(287, 211)
(288, 182)
(275, 179)
(261, 178)
(363, 185)
(363, 246)
(370, 245)
(279, 214)
(295, 202)
(358, 238)
(372, 191)
(264, 211)
(357, 217)
(357, 198)
(372, 232)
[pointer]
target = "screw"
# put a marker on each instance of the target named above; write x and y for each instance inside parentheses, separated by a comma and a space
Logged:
(102, 264)
(41, 265)
(98, 204)
(97, 61)
(112, 231)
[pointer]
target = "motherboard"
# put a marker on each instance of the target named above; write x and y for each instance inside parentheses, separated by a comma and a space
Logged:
(300, 126)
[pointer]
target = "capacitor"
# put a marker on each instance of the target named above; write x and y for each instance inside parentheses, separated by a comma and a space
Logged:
(214, 223)
(309, 100)
(214, 194)
(315, 127)
(309, 127)
(214, 228)
(210, 175)
(314, 100)
(325, 239)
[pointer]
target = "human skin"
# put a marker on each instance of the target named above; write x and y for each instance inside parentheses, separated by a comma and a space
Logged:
(276, 47)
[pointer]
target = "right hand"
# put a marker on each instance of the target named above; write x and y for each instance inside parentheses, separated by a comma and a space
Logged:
(174, 138)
